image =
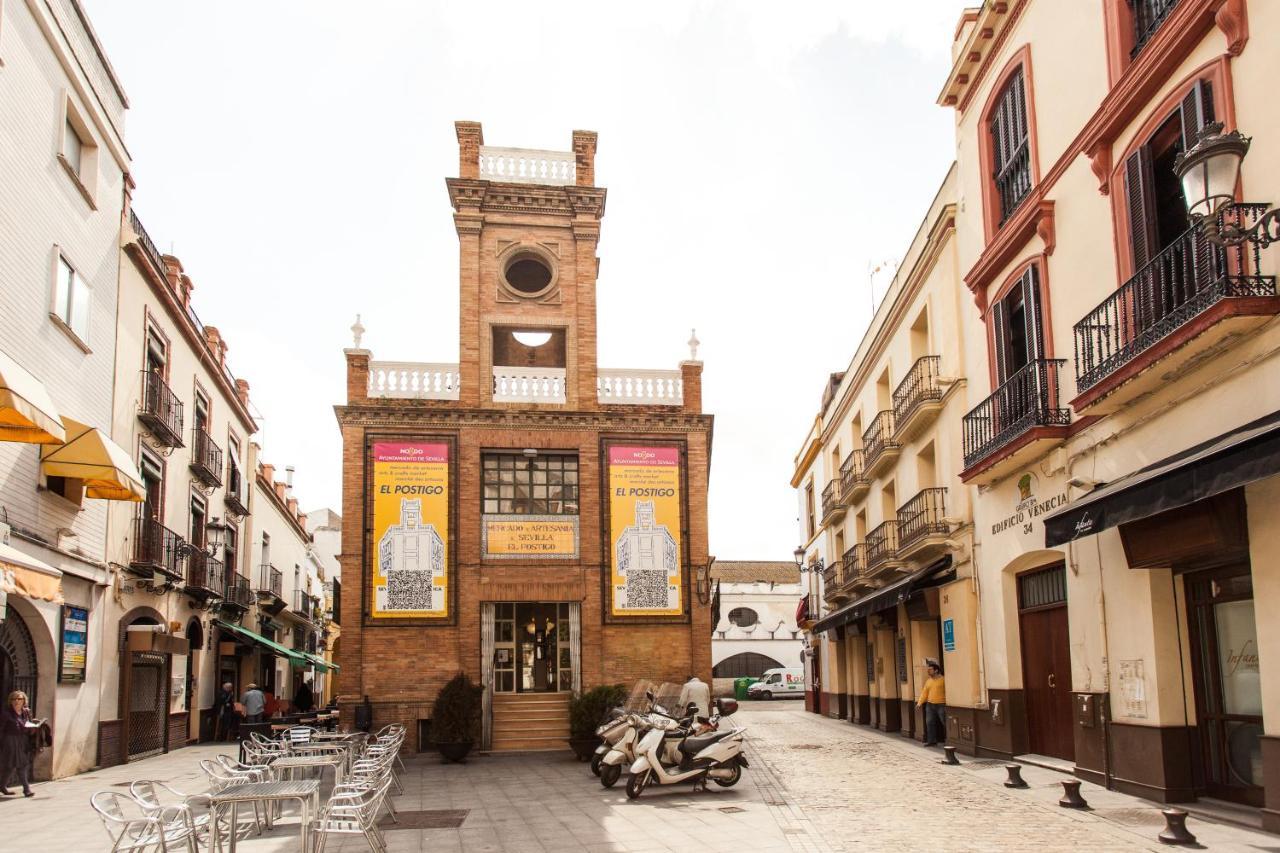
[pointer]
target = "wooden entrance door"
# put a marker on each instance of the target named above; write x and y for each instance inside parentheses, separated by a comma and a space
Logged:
(537, 627)
(1046, 662)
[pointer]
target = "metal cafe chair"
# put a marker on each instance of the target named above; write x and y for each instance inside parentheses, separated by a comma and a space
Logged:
(220, 778)
(261, 772)
(131, 828)
(353, 813)
(147, 793)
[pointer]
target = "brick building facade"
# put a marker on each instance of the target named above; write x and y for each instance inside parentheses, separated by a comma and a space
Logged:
(506, 456)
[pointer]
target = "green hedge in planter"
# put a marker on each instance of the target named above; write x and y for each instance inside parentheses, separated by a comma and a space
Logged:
(455, 715)
(587, 710)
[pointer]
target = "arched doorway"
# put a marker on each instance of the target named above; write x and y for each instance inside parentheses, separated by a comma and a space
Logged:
(18, 668)
(744, 664)
(144, 695)
(191, 698)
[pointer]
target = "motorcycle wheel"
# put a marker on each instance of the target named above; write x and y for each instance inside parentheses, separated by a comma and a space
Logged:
(595, 763)
(732, 780)
(636, 784)
(610, 774)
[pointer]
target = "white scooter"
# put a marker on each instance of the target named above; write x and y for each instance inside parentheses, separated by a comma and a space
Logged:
(716, 756)
(622, 753)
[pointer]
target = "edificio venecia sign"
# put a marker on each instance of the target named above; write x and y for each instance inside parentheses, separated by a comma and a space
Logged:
(1029, 507)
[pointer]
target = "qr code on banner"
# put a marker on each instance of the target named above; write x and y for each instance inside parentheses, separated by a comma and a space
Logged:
(409, 590)
(646, 590)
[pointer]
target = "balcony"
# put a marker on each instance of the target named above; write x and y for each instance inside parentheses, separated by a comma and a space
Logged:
(855, 568)
(1186, 302)
(233, 497)
(634, 387)
(206, 459)
(832, 508)
(922, 526)
(531, 385)
(1018, 423)
(299, 638)
(832, 581)
(156, 549)
(161, 410)
(302, 605)
(528, 166)
(853, 485)
(237, 597)
(882, 550)
(880, 447)
(917, 399)
(1148, 16)
(206, 576)
(269, 582)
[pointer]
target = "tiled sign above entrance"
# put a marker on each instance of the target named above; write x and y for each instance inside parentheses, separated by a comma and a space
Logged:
(530, 536)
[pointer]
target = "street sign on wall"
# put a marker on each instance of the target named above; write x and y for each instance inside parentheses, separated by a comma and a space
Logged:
(948, 635)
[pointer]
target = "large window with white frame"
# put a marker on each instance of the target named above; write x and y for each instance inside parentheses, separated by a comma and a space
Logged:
(71, 299)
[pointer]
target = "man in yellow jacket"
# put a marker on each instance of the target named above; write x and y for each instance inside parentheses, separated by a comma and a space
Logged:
(933, 698)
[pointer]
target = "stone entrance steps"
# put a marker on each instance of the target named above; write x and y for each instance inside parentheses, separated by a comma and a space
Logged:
(525, 722)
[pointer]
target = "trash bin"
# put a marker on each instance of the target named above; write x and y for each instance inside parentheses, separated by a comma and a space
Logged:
(740, 686)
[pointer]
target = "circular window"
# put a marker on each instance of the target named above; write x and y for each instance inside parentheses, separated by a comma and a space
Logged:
(743, 617)
(528, 274)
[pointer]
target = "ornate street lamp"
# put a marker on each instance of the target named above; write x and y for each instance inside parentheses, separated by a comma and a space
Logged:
(1209, 172)
(216, 529)
(800, 563)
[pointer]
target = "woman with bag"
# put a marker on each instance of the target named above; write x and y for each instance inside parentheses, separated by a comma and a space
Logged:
(15, 743)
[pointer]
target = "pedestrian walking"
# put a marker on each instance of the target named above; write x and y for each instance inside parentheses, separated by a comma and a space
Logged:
(933, 698)
(695, 690)
(224, 712)
(303, 700)
(254, 704)
(15, 744)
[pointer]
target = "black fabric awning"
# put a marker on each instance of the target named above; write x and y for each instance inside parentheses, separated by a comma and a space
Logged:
(1233, 459)
(888, 596)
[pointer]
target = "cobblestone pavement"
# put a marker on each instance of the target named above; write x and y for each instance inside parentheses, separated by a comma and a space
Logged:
(815, 785)
(865, 790)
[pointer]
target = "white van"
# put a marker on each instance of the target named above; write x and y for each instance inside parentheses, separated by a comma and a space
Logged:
(778, 682)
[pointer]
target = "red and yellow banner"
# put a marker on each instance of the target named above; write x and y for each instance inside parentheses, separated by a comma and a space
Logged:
(644, 521)
(410, 530)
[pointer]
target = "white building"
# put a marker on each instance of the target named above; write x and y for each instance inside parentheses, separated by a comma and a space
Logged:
(62, 178)
(757, 620)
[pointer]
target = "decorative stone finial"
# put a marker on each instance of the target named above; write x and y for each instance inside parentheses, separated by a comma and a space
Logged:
(357, 332)
(693, 344)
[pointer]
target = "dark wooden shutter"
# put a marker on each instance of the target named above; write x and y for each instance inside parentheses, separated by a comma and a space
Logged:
(1196, 111)
(999, 335)
(1138, 192)
(1031, 313)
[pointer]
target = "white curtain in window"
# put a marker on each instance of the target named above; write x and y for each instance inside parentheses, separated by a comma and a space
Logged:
(575, 644)
(486, 673)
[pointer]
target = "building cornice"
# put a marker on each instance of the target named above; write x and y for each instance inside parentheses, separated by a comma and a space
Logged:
(412, 414)
(991, 28)
(494, 197)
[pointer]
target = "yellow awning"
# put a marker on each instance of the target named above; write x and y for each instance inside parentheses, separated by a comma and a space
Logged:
(23, 575)
(27, 414)
(107, 471)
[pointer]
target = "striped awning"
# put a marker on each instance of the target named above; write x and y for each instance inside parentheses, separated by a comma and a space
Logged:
(21, 574)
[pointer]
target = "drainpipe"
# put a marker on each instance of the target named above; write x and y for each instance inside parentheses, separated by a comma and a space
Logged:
(983, 698)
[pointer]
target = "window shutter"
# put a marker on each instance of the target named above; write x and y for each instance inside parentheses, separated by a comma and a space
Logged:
(1138, 192)
(1196, 111)
(999, 326)
(1031, 312)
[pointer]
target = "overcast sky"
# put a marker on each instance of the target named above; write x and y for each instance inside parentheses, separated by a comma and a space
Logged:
(759, 157)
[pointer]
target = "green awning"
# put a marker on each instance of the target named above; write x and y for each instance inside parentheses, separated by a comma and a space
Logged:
(322, 663)
(294, 658)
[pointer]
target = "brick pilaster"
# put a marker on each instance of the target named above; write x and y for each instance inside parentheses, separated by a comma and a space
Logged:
(470, 138)
(357, 374)
(691, 378)
(584, 155)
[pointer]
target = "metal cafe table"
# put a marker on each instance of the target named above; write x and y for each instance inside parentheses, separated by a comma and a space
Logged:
(287, 764)
(307, 793)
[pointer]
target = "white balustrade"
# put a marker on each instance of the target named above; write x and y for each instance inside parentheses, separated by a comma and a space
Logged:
(528, 385)
(640, 387)
(413, 380)
(527, 166)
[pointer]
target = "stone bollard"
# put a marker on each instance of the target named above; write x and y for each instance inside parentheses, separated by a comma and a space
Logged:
(1015, 776)
(949, 756)
(1071, 798)
(1175, 831)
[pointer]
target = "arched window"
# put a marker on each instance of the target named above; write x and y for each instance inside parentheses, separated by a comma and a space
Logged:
(17, 659)
(743, 617)
(743, 665)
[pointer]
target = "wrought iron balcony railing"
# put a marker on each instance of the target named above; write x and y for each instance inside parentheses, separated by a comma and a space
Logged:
(878, 438)
(882, 545)
(1148, 16)
(850, 473)
(205, 575)
(855, 563)
(830, 498)
(831, 576)
(161, 410)
(1187, 278)
(156, 548)
(206, 458)
(1013, 181)
(302, 604)
(238, 594)
(918, 387)
(234, 495)
(270, 581)
(145, 241)
(922, 516)
(1028, 399)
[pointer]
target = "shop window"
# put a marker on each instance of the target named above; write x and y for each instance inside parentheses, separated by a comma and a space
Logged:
(516, 484)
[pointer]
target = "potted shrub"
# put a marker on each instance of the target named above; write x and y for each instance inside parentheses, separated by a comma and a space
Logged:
(455, 717)
(587, 711)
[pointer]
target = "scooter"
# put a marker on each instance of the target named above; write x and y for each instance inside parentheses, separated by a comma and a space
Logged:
(623, 752)
(610, 732)
(716, 756)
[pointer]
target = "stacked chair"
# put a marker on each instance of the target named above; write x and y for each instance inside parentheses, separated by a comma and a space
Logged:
(355, 805)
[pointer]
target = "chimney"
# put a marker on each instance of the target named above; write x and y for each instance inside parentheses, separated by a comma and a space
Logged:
(242, 391)
(584, 155)
(288, 478)
(292, 503)
(173, 272)
(217, 346)
(279, 487)
(470, 138)
(268, 472)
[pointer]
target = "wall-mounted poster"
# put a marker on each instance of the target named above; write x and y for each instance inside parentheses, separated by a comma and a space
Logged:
(75, 644)
(410, 530)
(644, 516)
